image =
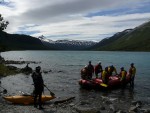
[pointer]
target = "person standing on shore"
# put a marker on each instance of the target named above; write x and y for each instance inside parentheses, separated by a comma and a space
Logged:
(90, 70)
(132, 72)
(122, 75)
(98, 69)
(38, 86)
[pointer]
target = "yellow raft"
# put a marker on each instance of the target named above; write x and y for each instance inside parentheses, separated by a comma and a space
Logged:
(26, 99)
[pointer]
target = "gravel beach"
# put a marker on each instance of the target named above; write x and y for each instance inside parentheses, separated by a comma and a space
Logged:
(102, 104)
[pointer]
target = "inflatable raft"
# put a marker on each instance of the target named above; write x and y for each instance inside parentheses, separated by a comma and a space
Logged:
(97, 83)
(26, 99)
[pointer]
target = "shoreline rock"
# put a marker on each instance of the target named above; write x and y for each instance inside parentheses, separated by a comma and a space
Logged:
(12, 70)
(20, 62)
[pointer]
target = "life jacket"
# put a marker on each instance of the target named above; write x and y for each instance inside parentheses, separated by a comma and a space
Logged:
(111, 70)
(132, 71)
(104, 75)
(123, 75)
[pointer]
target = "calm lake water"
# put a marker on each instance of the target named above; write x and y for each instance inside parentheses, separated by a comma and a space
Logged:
(65, 69)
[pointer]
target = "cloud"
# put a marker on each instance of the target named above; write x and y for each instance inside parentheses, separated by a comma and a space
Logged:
(90, 19)
(96, 27)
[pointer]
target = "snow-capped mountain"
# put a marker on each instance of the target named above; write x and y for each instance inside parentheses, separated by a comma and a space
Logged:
(66, 44)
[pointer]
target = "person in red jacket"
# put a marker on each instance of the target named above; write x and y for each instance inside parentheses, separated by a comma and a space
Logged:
(98, 69)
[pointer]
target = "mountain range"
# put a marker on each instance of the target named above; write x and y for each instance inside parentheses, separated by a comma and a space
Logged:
(66, 44)
(25, 42)
(137, 39)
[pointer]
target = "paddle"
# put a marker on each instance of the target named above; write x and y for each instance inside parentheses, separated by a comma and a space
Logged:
(4, 91)
(104, 85)
(51, 93)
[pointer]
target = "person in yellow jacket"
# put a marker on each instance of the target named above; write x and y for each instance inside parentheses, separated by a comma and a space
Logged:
(112, 69)
(105, 76)
(132, 72)
(123, 74)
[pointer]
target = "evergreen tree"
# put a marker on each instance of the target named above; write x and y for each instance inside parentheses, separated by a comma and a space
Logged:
(3, 26)
(3, 23)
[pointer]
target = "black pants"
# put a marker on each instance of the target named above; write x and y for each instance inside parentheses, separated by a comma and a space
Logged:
(37, 97)
(132, 82)
(105, 81)
(123, 84)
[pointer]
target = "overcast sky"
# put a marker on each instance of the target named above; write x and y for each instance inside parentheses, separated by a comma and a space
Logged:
(73, 19)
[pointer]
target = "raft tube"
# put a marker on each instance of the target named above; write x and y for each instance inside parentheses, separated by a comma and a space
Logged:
(97, 83)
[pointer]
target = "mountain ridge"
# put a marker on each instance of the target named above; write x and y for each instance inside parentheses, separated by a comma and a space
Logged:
(25, 42)
(66, 44)
(136, 39)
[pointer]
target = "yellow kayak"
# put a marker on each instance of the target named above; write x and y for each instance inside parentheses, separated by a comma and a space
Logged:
(26, 99)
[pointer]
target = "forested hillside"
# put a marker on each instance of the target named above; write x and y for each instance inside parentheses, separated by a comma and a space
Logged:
(137, 39)
(19, 42)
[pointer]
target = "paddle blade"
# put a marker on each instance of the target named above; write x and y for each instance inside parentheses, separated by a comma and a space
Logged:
(52, 94)
(104, 85)
(4, 91)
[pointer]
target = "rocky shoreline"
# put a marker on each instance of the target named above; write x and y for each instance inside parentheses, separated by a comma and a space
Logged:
(8, 65)
(101, 105)
(20, 62)
(26, 70)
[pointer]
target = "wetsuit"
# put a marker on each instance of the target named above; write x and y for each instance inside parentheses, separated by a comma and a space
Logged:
(90, 71)
(38, 88)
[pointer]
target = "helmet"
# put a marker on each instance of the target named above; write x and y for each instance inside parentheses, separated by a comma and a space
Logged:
(85, 66)
(89, 61)
(38, 68)
(99, 62)
(122, 68)
(132, 64)
(106, 68)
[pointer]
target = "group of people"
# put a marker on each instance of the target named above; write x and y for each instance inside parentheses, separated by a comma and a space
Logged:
(88, 71)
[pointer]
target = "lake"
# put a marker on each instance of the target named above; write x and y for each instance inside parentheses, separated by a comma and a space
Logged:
(65, 69)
